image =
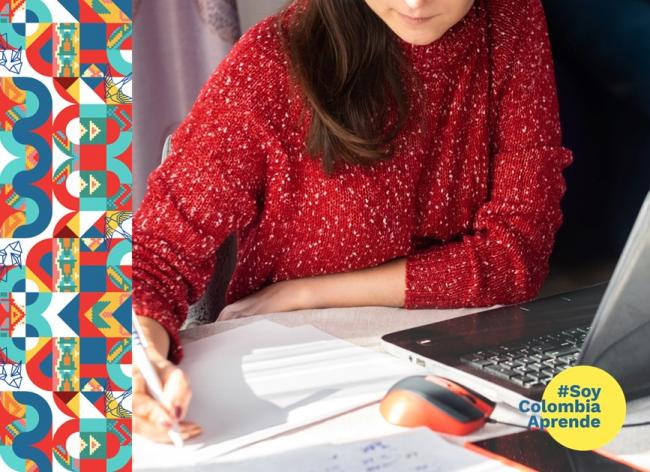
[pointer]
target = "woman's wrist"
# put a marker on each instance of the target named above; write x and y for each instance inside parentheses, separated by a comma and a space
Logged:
(157, 337)
(311, 294)
(303, 293)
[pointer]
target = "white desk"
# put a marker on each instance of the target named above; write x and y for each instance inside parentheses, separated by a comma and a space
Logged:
(364, 326)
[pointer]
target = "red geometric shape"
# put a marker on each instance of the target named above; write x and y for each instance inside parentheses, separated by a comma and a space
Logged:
(93, 370)
(62, 84)
(62, 399)
(92, 465)
(96, 258)
(35, 52)
(87, 14)
(127, 44)
(42, 251)
(93, 157)
(33, 366)
(64, 227)
(93, 56)
(111, 343)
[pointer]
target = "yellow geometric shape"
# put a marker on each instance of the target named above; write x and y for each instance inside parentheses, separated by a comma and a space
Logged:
(94, 130)
(114, 15)
(117, 350)
(114, 408)
(29, 275)
(74, 404)
(101, 315)
(31, 352)
(31, 157)
(92, 243)
(93, 71)
(13, 93)
(94, 184)
(117, 278)
(74, 90)
(38, 32)
(93, 386)
(114, 93)
(74, 224)
(94, 444)
(11, 406)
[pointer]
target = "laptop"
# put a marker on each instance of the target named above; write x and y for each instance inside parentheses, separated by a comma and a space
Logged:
(512, 352)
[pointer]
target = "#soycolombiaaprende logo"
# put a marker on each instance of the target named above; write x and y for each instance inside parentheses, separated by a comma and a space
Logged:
(582, 408)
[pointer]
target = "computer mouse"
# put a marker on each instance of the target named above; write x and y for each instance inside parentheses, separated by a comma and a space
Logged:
(437, 403)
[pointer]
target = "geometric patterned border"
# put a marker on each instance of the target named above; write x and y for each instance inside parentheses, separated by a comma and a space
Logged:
(65, 237)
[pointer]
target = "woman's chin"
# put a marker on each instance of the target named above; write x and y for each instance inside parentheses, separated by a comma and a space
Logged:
(419, 40)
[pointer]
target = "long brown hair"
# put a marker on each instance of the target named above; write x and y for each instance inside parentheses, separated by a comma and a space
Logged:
(350, 69)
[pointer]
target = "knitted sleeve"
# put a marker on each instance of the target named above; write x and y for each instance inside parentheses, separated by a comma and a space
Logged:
(210, 185)
(504, 258)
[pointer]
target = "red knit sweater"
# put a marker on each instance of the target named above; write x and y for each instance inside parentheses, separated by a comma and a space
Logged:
(471, 196)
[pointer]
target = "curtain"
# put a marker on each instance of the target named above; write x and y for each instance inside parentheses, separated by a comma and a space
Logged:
(177, 44)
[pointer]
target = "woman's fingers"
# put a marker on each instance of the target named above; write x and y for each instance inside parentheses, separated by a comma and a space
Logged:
(228, 313)
(189, 430)
(240, 309)
(151, 431)
(176, 390)
(138, 381)
(153, 419)
(146, 407)
(143, 427)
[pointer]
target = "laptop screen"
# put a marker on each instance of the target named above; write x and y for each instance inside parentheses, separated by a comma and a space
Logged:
(618, 339)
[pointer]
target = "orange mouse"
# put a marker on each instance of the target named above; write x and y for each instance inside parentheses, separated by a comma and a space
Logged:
(437, 403)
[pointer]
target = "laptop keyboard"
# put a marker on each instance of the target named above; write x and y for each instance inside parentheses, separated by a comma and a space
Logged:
(532, 363)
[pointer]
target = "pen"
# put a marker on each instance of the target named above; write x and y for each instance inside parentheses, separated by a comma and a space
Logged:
(150, 376)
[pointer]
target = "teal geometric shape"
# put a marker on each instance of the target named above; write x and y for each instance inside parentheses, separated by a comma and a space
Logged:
(94, 183)
(92, 204)
(37, 12)
(95, 130)
(96, 311)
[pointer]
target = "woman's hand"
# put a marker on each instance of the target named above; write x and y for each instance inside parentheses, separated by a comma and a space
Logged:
(150, 418)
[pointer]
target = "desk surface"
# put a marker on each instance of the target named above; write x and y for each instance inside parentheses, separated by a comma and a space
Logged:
(364, 326)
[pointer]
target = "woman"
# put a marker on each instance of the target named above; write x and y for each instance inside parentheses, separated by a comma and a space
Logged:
(403, 153)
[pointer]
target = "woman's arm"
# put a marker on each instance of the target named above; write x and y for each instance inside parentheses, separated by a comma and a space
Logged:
(504, 259)
(383, 285)
(208, 187)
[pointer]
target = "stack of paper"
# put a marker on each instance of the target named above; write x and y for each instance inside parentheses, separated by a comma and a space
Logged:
(262, 379)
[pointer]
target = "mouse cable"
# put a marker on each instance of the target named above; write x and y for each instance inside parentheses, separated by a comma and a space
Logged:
(630, 425)
(493, 421)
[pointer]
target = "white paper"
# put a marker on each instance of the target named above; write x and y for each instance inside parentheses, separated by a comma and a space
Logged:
(418, 450)
(253, 382)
